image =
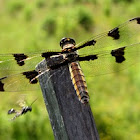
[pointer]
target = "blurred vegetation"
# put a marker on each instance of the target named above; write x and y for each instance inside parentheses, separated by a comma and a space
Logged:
(27, 26)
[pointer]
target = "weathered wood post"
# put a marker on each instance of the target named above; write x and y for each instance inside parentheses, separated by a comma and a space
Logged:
(70, 119)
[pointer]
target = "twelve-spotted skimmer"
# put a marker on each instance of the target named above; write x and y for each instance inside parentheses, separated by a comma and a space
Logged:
(118, 47)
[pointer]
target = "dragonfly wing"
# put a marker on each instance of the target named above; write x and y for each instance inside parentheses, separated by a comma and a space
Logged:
(125, 34)
(112, 60)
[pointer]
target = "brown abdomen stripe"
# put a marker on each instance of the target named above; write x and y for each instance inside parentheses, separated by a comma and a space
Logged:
(79, 82)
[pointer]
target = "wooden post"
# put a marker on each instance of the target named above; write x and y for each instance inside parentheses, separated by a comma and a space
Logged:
(70, 119)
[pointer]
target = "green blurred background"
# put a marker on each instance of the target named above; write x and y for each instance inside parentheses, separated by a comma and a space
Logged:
(35, 25)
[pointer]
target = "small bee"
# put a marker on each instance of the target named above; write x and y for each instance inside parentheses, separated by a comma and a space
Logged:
(23, 110)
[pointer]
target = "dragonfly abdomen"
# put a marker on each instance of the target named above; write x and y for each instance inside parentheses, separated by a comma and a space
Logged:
(79, 82)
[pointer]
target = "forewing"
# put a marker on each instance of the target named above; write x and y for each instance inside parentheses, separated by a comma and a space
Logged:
(19, 62)
(22, 61)
(123, 35)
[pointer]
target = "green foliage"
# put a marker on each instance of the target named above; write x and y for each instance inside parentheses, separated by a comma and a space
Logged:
(85, 1)
(40, 3)
(28, 13)
(49, 25)
(85, 19)
(15, 6)
(125, 1)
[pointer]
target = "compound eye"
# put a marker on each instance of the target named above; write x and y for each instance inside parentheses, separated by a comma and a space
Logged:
(73, 41)
(62, 41)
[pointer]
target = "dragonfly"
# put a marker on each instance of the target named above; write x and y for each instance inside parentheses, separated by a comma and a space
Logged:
(102, 54)
(24, 109)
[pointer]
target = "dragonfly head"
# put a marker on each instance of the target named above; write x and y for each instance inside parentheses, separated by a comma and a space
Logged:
(66, 43)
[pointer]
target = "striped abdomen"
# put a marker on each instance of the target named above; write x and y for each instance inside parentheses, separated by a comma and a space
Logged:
(79, 82)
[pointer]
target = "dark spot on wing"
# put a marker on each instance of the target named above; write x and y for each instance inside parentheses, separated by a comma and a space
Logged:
(89, 43)
(114, 33)
(20, 58)
(48, 54)
(87, 58)
(2, 84)
(137, 18)
(3, 78)
(118, 54)
(31, 75)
